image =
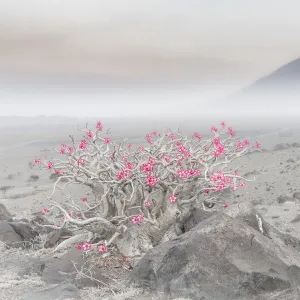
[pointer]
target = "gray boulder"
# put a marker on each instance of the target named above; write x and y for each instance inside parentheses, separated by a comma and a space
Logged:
(5, 215)
(232, 255)
(24, 230)
(9, 236)
(59, 269)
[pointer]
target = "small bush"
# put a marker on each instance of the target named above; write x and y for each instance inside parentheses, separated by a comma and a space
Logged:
(34, 178)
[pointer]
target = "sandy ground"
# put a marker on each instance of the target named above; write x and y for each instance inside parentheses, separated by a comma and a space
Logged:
(277, 175)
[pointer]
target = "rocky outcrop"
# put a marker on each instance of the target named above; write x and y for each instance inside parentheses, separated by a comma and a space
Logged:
(232, 255)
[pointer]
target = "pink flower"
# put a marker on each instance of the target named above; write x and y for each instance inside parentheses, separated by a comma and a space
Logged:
(107, 141)
(148, 203)
(99, 126)
(234, 187)
(197, 136)
(123, 174)
(84, 199)
(50, 165)
(102, 248)
(83, 145)
(246, 142)
(171, 136)
(86, 246)
(242, 184)
(79, 246)
(142, 148)
(152, 179)
(167, 158)
(151, 160)
(225, 205)
(44, 211)
(214, 129)
(257, 145)
(134, 220)
(223, 124)
(240, 145)
(129, 166)
(37, 161)
(80, 161)
(172, 198)
(149, 138)
(147, 167)
(230, 131)
(137, 219)
(62, 150)
(63, 145)
(130, 146)
(69, 149)
(90, 134)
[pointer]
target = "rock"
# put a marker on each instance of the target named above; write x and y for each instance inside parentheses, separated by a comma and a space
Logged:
(56, 236)
(197, 215)
(285, 198)
(290, 160)
(58, 269)
(232, 255)
(296, 219)
(297, 195)
(60, 292)
(37, 223)
(279, 147)
(24, 230)
(5, 215)
(9, 236)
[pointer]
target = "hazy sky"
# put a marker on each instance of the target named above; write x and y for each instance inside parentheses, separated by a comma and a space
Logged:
(229, 42)
(124, 37)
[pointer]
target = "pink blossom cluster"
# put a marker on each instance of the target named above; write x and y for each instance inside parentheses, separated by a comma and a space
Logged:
(230, 131)
(167, 158)
(99, 126)
(83, 145)
(152, 179)
(197, 136)
(84, 247)
(90, 134)
(81, 161)
(129, 166)
(123, 174)
(107, 141)
(171, 136)
(149, 138)
(148, 167)
(172, 198)
(219, 147)
(182, 149)
(188, 173)
(137, 219)
(221, 181)
(87, 246)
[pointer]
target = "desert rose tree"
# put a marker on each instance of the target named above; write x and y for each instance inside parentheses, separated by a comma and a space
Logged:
(141, 195)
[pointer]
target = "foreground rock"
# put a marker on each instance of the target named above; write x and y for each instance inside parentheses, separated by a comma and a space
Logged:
(85, 270)
(231, 255)
(5, 215)
(60, 292)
